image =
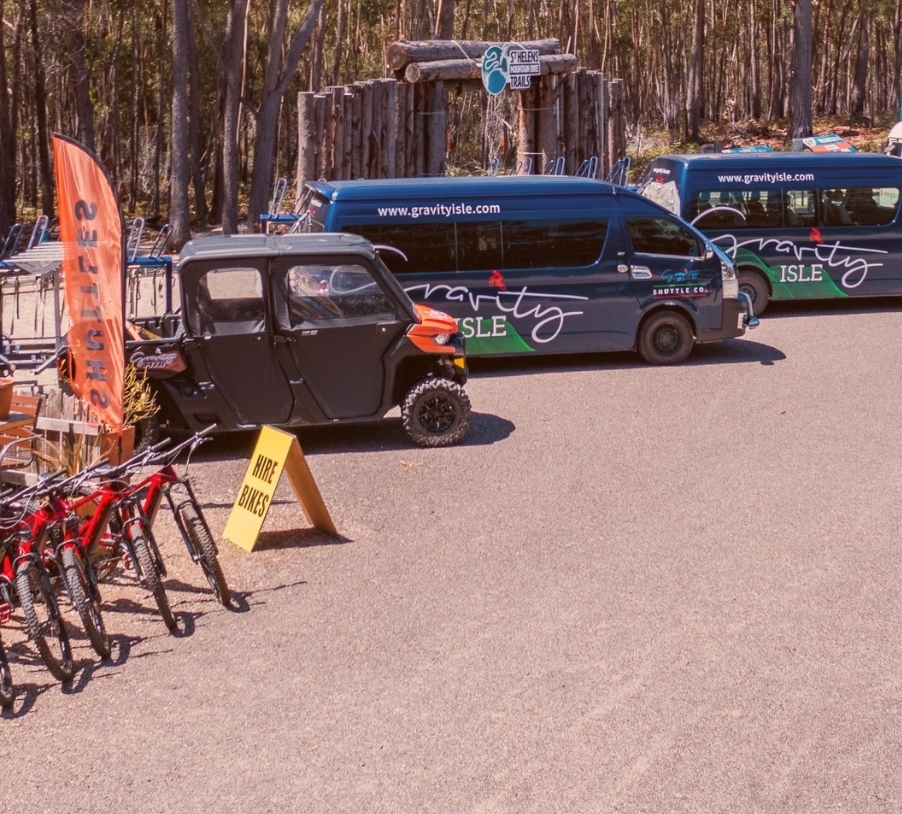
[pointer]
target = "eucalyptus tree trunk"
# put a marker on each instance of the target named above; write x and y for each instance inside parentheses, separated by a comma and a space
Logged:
(444, 20)
(198, 174)
(45, 168)
(276, 78)
(800, 124)
(75, 20)
(696, 71)
(897, 62)
(7, 144)
(179, 216)
(754, 78)
(859, 85)
(234, 68)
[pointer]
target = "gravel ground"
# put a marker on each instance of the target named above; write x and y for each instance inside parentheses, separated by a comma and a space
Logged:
(630, 589)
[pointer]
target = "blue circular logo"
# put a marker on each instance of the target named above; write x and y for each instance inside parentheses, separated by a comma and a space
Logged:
(494, 70)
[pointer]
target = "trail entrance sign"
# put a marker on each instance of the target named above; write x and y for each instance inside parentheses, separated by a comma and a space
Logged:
(275, 451)
(511, 65)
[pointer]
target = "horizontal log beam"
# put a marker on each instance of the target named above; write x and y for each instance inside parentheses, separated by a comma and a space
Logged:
(402, 52)
(452, 70)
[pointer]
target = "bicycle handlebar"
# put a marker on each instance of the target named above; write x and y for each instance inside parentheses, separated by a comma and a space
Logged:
(51, 482)
(172, 453)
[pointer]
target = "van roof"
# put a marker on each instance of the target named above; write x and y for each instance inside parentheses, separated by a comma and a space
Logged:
(771, 161)
(260, 245)
(469, 185)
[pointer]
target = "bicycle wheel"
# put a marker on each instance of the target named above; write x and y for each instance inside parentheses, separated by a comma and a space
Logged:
(151, 575)
(43, 621)
(7, 693)
(88, 606)
(202, 541)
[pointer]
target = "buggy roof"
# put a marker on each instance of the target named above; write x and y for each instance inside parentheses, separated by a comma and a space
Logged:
(232, 246)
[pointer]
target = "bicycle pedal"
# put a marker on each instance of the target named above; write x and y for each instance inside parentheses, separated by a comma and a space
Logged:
(6, 613)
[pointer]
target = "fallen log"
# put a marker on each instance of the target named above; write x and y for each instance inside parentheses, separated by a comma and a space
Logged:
(451, 70)
(401, 53)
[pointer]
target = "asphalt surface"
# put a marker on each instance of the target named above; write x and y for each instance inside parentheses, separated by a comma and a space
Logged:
(631, 589)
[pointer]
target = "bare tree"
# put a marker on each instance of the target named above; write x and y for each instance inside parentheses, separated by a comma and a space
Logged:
(800, 123)
(7, 143)
(74, 11)
(859, 85)
(696, 71)
(179, 215)
(234, 69)
(277, 76)
(444, 20)
(40, 102)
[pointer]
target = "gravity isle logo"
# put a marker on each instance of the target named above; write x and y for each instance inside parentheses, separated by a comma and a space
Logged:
(683, 283)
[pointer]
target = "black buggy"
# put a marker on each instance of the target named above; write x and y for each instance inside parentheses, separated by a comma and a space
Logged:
(292, 330)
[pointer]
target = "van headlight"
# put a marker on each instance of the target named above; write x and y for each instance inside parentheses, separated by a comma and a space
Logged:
(729, 274)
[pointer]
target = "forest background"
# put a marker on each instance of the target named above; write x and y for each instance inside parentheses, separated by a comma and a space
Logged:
(192, 104)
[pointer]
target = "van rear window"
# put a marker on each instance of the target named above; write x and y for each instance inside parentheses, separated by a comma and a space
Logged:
(477, 246)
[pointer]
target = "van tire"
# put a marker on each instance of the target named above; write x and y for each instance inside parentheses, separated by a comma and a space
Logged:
(754, 284)
(665, 338)
(436, 413)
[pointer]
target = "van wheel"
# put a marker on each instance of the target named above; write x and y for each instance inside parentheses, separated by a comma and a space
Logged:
(753, 284)
(665, 339)
(436, 413)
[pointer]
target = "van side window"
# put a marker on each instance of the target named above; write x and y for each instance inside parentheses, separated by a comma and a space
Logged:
(488, 245)
(763, 207)
(427, 246)
(800, 207)
(326, 291)
(869, 206)
(479, 246)
(553, 245)
(833, 209)
(662, 236)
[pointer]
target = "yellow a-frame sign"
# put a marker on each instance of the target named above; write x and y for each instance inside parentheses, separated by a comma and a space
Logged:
(276, 450)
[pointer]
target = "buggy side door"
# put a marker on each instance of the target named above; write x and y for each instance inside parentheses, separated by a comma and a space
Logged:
(227, 315)
(339, 324)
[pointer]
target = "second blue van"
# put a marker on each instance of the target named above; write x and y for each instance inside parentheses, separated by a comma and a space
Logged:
(798, 225)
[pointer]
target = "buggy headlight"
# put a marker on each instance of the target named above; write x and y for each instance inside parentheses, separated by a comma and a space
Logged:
(441, 339)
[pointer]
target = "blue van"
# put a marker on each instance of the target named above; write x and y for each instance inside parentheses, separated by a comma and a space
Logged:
(543, 264)
(798, 225)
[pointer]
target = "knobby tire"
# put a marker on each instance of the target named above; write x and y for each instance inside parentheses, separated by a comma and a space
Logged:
(151, 575)
(46, 628)
(7, 692)
(88, 607)
(204, 545)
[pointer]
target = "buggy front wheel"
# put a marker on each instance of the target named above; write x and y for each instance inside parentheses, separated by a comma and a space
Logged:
(436, 413)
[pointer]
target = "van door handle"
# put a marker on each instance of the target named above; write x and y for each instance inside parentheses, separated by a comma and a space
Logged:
(640, 273)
